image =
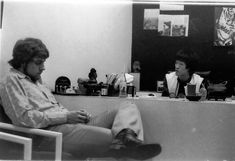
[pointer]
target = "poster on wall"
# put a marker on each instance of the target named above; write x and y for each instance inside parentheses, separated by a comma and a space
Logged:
(173, 25)
(224, 34)
(151, 19)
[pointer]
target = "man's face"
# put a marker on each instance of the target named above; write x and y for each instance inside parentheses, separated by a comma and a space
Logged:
(180, 68)
(35, 68)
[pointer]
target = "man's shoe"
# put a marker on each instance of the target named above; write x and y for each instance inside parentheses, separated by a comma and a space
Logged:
(126, 138)
(127, 145)
(130, 138)
(117, 144)
(140, 152)
(144, 151)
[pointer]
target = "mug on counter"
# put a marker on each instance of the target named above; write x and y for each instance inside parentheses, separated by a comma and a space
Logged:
(191, 89)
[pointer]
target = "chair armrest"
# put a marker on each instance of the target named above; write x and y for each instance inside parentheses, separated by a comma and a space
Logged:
(47, 133)
(27, 143)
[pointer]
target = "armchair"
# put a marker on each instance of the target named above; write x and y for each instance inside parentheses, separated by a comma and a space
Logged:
(27, 142)
(9, 137)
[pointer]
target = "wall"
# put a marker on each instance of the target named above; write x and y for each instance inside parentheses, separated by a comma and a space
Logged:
(79, 35)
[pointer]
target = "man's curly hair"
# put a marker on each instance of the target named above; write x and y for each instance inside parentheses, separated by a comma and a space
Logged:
(26, 49)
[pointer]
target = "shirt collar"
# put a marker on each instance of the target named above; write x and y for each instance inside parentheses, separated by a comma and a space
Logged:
(20, 74)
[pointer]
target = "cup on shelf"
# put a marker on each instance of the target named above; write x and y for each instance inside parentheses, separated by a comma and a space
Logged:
(191, 89)
(122, 89)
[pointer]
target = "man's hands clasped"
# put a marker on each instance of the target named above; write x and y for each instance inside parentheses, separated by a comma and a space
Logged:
(81, 116)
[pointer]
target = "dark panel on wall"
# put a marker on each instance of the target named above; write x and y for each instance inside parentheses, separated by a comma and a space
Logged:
(156, 53)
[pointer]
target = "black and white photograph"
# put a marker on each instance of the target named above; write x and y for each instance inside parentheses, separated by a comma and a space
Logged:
(173, 25)
(151, 19)
(117, 80)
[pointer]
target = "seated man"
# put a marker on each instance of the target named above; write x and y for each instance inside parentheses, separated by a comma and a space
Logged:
(175, 83)
(28, 103)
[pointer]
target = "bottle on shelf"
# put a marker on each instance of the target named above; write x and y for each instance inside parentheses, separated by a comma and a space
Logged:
(123, 87)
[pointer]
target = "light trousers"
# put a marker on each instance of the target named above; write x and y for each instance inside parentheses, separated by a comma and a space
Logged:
(95, 137)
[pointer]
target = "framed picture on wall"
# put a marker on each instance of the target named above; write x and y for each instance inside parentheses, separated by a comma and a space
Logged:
(151, 19)
(173, 25)
(224, 33)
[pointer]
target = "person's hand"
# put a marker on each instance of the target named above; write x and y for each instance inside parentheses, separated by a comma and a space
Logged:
(88, 115)
(80, 116)
(203, 93)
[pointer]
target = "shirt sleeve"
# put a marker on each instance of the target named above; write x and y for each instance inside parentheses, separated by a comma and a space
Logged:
(204, 84)
(18, 108)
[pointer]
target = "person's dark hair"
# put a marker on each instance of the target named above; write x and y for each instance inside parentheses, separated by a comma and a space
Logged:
(26, 49)
(189, 57)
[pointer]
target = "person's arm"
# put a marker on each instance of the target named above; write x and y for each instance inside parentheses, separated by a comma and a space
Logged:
(203, 90)
(165, 92)
(22, 112)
